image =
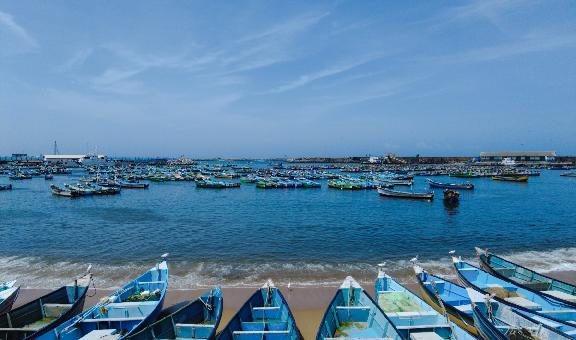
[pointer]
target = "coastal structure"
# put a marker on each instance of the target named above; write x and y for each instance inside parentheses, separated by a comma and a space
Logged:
(519, 156)
(88, 160)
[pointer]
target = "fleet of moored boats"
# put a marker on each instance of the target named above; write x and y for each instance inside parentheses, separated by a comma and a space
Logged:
(498, 300)
(110, 180)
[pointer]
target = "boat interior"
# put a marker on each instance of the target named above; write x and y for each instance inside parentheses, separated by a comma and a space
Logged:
(411, 315)
(35, 315)
(516, 295)
(353, 314)
(533, 280)
(264, 316)
(196, 320)
(450, 293)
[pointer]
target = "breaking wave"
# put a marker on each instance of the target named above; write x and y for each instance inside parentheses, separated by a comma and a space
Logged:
(37, 272)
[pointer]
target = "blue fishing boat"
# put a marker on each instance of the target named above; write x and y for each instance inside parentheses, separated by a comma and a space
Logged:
(124, 312)
(412, 316)
(196, 319)
(40, 316)
(526, 278)
(508, 292)
(8, 294)
(460, 186)
(265, 315)
(352, 314)
(5, 187)
(499, 321)
(445, 295)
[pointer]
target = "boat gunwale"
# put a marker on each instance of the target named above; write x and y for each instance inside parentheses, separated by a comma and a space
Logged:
(485, 265)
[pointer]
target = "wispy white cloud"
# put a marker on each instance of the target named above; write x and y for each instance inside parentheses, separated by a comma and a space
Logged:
(533, 42)
(17, 36)
(324, 73)
(288, 27)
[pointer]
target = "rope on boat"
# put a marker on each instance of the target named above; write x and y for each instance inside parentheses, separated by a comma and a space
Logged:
(444, 311)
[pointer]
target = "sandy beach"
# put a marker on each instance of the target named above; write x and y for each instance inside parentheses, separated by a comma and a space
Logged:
(307, 303)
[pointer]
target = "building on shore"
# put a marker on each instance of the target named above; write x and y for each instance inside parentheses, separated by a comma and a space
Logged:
(519, 156)
(69, 160)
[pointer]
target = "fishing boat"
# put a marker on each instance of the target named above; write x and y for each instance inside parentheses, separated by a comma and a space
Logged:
(399, 182)
(464, 174)
(353, 314)
(526, 278)
(518, 297)
(406, 194)
(5, 187)
(8, 294)
(451, 196)
(446, 297)
(58, 191)
(38, 317)
(265, 315)
(568, 174)
(412, 316)
(216, 184)
(48, 177)
(197, 319)
(124, 312)
(460, 186)
(496, 320)
(511, 178)
(132, 185)
(19, 176)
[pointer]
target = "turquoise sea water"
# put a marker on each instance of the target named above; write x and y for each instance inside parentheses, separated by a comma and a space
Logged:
(304, 236)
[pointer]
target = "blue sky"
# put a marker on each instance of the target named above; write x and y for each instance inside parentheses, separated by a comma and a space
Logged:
(295, 78)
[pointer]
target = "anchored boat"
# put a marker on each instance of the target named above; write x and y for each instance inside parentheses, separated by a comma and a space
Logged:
(412, 316)
(511, 178)
(526, 278)
(460, 186)
(5, 187)
(353, 314)
(265, 315)
(124, 312)
(406, 194)
(196, 319)
(40, 316)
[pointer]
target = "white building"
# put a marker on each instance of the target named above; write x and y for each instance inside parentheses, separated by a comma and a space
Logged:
(70, 160)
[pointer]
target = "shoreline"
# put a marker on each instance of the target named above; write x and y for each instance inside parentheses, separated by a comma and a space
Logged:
(306, 303)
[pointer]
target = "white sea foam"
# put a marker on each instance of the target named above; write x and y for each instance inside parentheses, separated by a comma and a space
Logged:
(37, 272)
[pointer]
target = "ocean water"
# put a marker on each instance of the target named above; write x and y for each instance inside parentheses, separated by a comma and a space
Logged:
(240, 237)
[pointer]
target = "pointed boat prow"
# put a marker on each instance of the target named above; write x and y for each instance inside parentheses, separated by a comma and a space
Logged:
(480, 251)
(269, 284)
(349, 282)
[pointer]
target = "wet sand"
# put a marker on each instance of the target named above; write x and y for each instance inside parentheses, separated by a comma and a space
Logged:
(307, 303)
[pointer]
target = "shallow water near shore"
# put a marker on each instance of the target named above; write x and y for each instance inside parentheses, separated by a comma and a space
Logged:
(240, 237)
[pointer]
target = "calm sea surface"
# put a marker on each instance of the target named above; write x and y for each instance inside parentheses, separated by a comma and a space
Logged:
(304, 236)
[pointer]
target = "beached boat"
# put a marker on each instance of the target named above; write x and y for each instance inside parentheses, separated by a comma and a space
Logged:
(460, 186)
(412, 316)
(511, 178)
(353, 314)
(406, 194)
(5, 187)
(39, 316)
(8, 294)
(498, 321)
(216, 184)
(197, 319)
(265, 315)
(507, 292)
(446, 297)
(526, 278)
(124, 312)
